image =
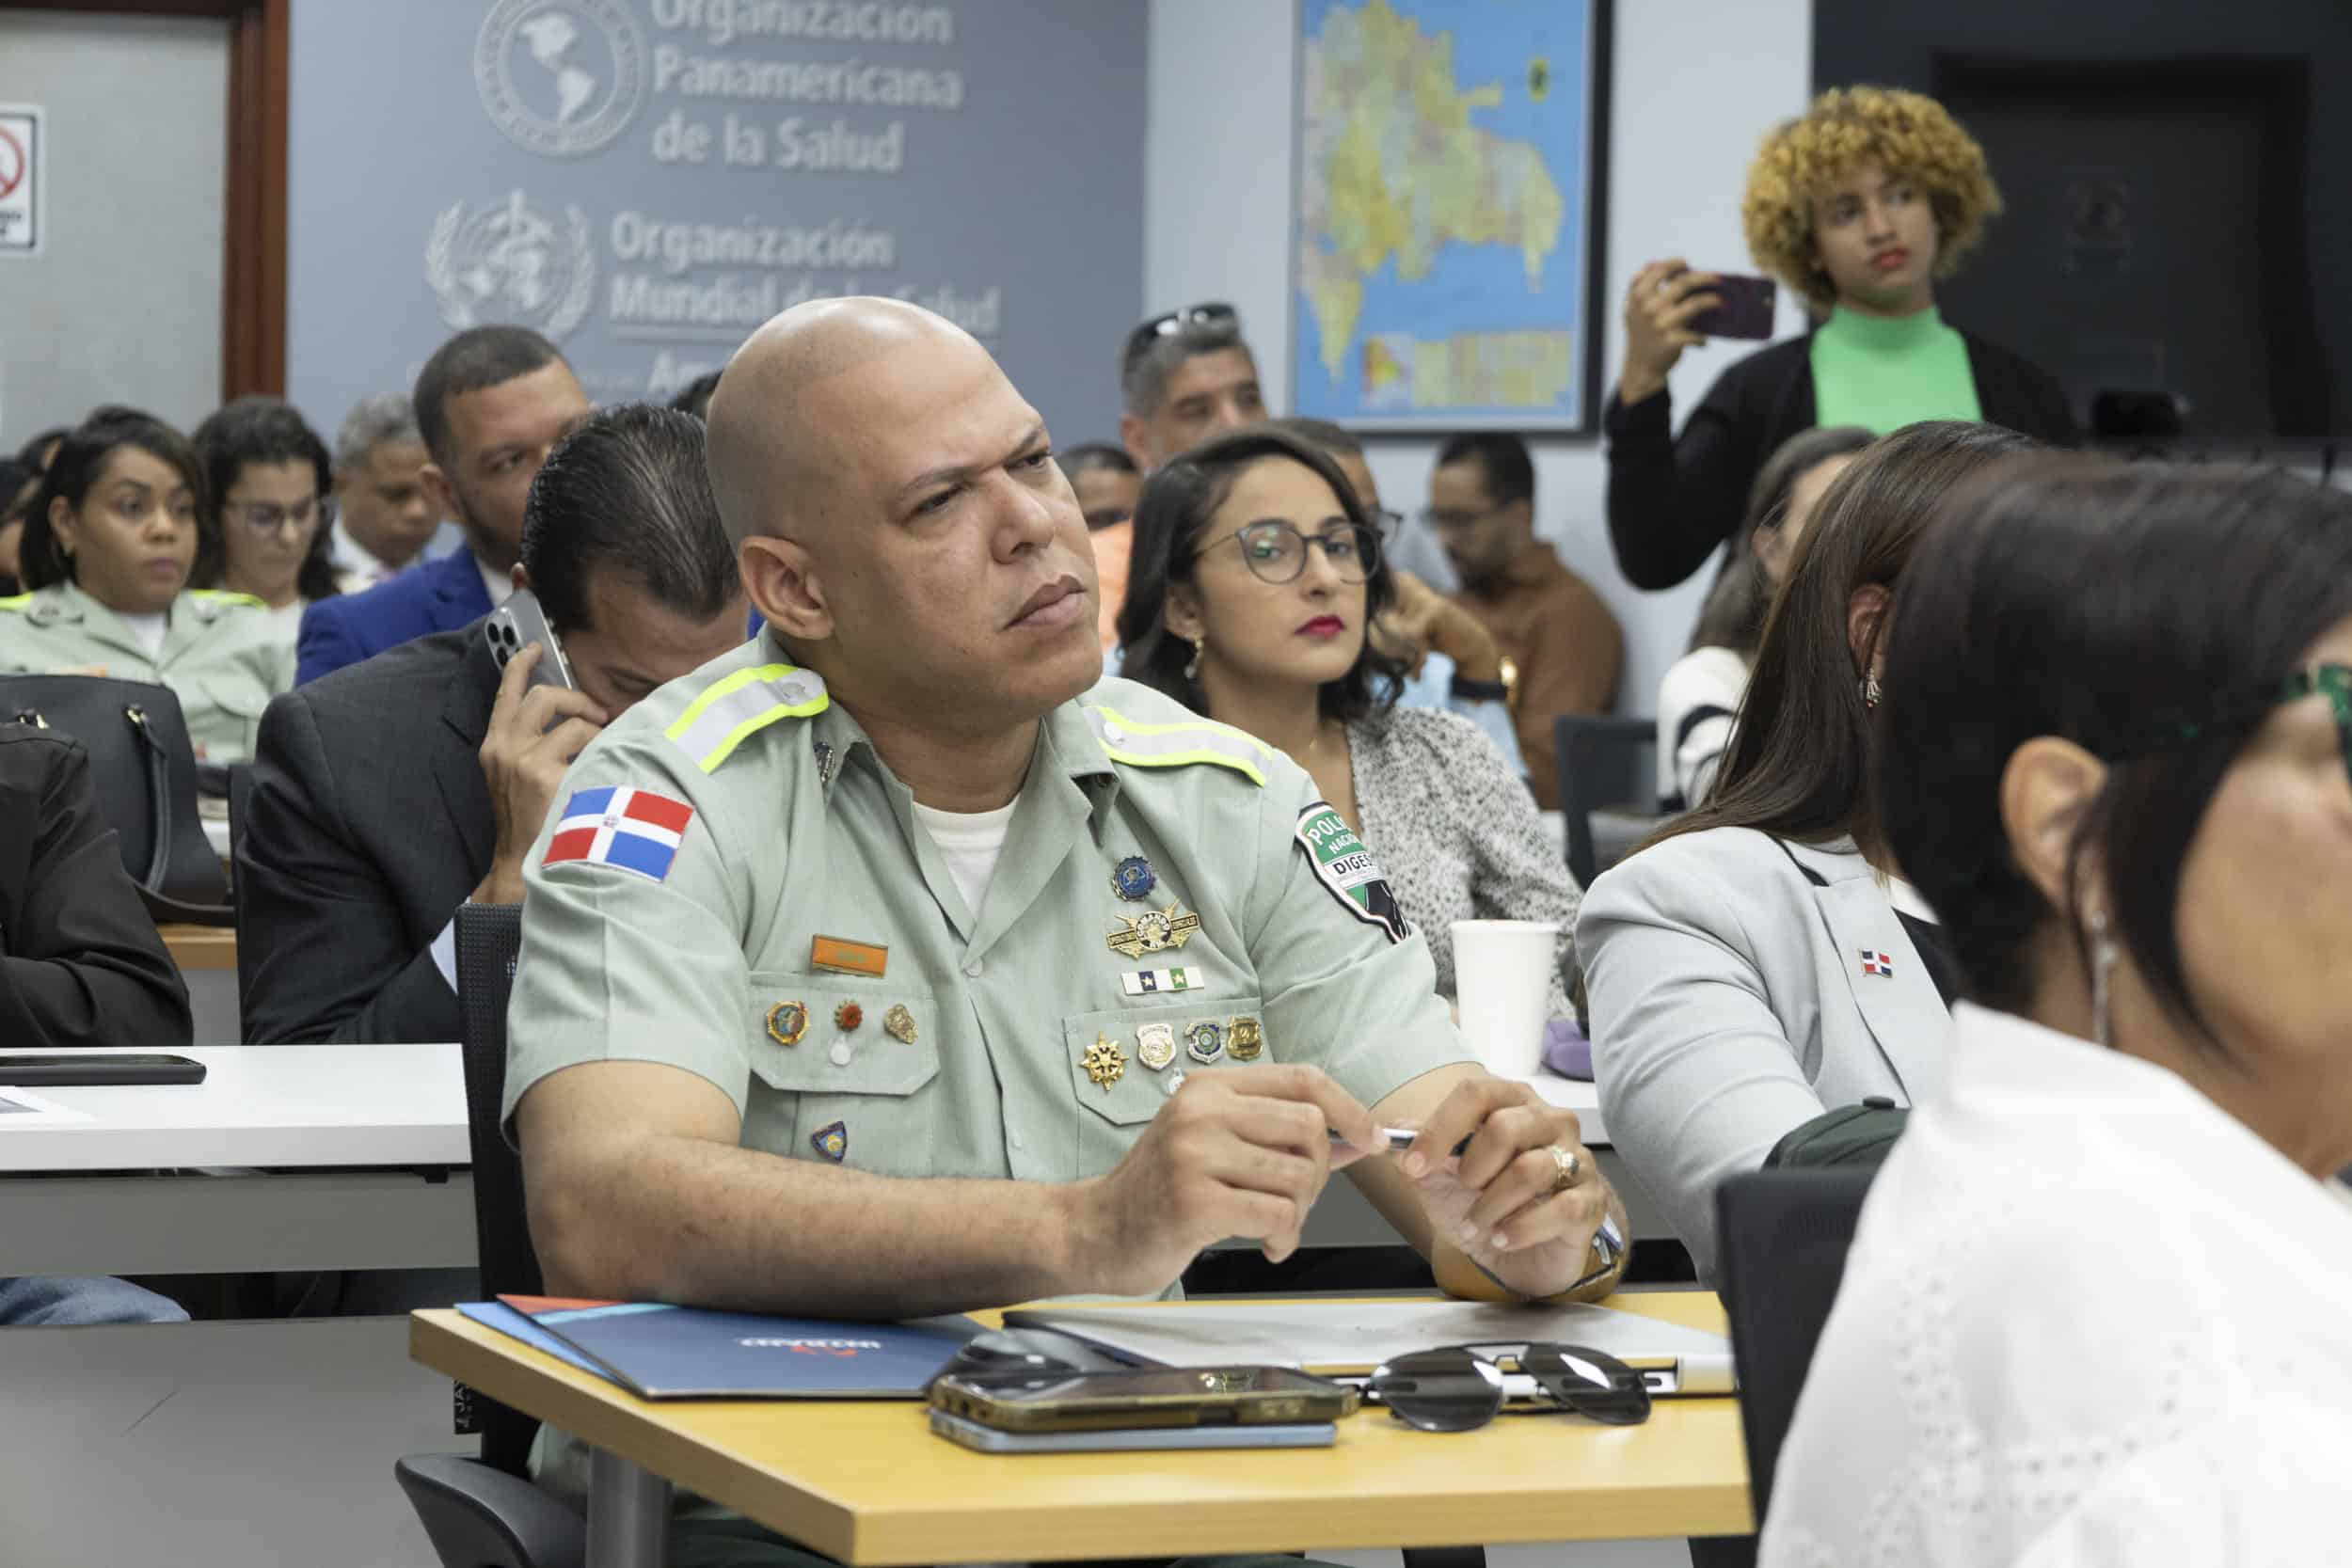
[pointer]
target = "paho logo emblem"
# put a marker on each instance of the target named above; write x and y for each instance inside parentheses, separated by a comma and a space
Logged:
(508, 262)
(561, 79)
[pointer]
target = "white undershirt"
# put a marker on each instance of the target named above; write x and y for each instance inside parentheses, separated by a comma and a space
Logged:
(150, 630)
(969, 842)
(499, 585)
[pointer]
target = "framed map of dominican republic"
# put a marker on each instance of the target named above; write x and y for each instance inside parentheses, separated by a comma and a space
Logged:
(1449, 187)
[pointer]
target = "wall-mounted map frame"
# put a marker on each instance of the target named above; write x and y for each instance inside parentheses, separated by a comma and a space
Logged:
(1449, 187)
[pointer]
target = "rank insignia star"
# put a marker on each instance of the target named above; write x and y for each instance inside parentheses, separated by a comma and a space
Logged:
(1105, 1062)
(1153, 931)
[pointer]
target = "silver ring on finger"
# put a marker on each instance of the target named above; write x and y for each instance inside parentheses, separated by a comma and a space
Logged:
(1567, 1166)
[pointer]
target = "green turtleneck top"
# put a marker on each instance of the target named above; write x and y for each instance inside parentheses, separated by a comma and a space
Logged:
(1884, 373)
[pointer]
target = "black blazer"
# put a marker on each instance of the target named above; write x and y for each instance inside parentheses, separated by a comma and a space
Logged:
(368, 824)
(1673, 500)
(81, 962)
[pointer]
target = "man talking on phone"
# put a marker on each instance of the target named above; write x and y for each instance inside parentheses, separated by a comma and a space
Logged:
(924, 970)
(388, 793)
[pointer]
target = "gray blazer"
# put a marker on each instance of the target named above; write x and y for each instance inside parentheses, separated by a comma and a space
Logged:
(1730, 1004)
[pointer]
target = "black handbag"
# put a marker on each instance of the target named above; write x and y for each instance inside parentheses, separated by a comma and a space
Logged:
(143, 771)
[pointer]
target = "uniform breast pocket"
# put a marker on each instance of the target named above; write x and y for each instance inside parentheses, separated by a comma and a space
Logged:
(852, 1071)
(223, 706)
(1125, 1064)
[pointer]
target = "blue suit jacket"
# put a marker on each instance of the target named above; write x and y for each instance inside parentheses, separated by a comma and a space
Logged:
(440, 596)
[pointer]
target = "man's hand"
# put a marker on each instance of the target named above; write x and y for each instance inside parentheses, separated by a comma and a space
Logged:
(534, 734)
(1501, 1203)
(1423, 621)
(1659, 307)
(1243, 1151)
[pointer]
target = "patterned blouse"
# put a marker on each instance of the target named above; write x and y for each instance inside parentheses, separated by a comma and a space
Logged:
(1459, 834)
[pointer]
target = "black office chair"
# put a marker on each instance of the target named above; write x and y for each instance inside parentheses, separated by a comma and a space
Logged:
(1602, 769)
(1782, 1236)
(486, 1513)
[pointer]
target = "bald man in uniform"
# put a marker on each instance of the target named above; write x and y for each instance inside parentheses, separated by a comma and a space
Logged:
(898, 964)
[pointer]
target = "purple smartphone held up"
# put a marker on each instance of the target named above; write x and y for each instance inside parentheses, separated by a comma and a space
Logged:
(1746, 310)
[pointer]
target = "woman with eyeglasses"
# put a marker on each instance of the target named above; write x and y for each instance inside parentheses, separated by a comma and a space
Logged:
(271, 534)
(1255, 573)
(2095, 1308)
(108, 543)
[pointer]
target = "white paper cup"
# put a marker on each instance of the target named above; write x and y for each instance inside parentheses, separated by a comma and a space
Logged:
(1502, 972)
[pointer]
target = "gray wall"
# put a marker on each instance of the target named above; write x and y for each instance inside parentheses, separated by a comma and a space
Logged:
(1022, 202)
(123, 303)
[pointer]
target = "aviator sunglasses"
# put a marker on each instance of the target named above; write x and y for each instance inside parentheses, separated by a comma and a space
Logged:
(1462, 1388)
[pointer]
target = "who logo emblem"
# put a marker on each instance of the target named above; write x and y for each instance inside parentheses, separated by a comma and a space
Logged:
(562, 79)
(508, 262)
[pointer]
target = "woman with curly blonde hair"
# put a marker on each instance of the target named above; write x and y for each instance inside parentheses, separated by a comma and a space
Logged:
(1860, 204)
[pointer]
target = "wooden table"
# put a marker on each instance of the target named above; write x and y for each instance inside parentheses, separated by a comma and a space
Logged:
(200, 947)
(866, 1484)
(207, 959)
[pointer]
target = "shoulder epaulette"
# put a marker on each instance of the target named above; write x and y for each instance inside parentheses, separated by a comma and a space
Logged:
(227, 596)
(1180, 745)
(738, 704)
(18, 603)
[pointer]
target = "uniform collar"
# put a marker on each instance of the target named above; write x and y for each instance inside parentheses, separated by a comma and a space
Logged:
(1066, 745)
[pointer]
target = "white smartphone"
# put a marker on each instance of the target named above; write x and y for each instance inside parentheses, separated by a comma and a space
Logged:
(971, 1434)
(515, 625)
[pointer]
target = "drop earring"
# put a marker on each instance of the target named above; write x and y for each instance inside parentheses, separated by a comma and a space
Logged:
(1871, 691)
(1192, 667)
(2103, 956)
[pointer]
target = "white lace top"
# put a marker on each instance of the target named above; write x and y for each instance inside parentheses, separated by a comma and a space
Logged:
(2089, 1318)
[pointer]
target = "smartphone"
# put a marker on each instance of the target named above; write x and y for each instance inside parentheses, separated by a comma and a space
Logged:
(1148, 1397)
(1745, 309)
(515, 625)
(971, 1434)
(98, 1066)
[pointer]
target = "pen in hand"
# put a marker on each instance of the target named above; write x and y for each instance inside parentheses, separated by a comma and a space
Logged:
(1397, 1140)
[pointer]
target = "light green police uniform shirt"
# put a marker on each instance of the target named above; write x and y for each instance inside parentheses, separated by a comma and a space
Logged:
(223, 656)
(799, 831)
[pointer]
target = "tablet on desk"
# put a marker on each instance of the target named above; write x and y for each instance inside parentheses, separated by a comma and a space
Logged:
(69, 1069)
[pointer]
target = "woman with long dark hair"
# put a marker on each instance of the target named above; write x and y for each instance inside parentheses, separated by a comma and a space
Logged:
(1762, 960)
(2095, 1308)
(1256, 575)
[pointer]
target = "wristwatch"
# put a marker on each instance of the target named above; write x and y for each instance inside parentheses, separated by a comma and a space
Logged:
(1470, 690)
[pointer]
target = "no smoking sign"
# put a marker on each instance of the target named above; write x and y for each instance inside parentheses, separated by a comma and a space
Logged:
(20, 151)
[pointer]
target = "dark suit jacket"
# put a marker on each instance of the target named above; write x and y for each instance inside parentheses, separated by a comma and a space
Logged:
(1673, 499)
(440, 596)
(369, 823)
(80, 960)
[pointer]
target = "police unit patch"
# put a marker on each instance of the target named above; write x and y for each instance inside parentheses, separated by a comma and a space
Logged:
(1347, 870)
(633, 829)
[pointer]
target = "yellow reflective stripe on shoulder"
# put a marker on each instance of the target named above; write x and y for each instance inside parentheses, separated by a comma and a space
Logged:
(735, 705)
(227, 596)
(1180, 745)
(17, 602)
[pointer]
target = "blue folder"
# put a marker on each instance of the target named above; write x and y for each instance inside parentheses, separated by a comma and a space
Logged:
(659, 1352)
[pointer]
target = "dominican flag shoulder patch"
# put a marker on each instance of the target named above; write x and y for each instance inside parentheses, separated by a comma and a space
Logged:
(1877, 964)
(633, 829)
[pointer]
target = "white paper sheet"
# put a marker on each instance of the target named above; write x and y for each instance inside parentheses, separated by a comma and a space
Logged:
(23, 1108)
(1356, 1335)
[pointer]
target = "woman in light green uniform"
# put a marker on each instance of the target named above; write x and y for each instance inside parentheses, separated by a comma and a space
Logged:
(108, 543)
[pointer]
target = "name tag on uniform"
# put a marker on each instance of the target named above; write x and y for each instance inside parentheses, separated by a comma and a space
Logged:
(1155, 982)
(848, 958)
